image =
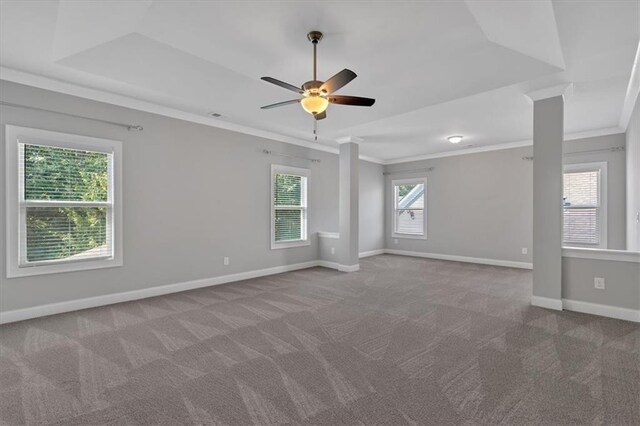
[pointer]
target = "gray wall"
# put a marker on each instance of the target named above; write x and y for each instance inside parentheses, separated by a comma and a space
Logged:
(185, 205)
(616, 180)
(478, 205)
(371, 206)
(622, 282)
(633, 180)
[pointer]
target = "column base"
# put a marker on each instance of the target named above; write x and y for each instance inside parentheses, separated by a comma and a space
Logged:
(546, 302)
(349, 268)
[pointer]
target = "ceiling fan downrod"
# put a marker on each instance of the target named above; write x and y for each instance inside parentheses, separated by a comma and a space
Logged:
(315, 37)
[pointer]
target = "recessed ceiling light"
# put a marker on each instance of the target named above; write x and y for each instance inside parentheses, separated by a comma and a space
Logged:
(214, 115)
(454, 139)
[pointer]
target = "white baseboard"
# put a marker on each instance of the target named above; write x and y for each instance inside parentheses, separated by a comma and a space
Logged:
(371, 253)
(602, 310)
(328, 264)
(109, 299)
(349, 268)
(546, 302)
(495, 262)
(339, 267)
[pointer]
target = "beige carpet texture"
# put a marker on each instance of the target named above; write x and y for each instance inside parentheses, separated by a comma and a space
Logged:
(405, 341)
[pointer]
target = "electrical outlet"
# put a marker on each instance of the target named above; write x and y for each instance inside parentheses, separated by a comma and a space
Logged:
(395, 241)
(333, 250)
(525, 250)
(598, 283)
(225, 261)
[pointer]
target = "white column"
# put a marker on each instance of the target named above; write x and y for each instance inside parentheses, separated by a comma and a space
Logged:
(548, 135)
(348, 206)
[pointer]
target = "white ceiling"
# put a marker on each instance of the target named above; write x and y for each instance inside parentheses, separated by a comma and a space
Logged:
(435, 68)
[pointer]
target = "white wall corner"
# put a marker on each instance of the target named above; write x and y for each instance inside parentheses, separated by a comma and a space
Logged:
(546, 302)
(564, 89)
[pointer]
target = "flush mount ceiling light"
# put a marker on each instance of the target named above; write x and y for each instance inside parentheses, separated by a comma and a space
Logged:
(455, 139)
(317, 95)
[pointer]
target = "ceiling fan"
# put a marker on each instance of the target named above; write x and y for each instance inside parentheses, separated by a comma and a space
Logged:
(317, 95)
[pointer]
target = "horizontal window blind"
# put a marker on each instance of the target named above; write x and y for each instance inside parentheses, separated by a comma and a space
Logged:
(290, 207)
(289, 224)
(66, 233)
(66, 209)
(409, 208)
(582, 207)
(52, 173)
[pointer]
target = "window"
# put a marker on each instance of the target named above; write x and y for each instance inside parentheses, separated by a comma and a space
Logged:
(409, 217)
(584, 205)
(63, 202)
(288, 207)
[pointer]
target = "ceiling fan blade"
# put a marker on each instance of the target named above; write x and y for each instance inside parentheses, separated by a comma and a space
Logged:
(338, 81)
(321, 116)
(283, 84)
(279, 104)
(351, 100)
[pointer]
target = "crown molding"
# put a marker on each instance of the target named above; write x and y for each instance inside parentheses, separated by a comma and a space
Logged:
(46, 83)
(495, 147)
(564, 89)
(632, 92)
(593, 133)
(60, 86)
(507, 145)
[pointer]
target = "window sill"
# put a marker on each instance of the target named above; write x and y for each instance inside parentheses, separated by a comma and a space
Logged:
(600, 254)
(409, 236)
(584, 245)
(85, 265)
(289, 244)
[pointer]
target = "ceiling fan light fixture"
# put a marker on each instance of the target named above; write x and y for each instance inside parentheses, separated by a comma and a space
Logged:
(455, 139)
(314, 104)
(316, 94)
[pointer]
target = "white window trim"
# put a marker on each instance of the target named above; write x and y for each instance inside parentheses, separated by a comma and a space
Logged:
(296, 171)
(15, 135)
(394, 234)
(600, 166)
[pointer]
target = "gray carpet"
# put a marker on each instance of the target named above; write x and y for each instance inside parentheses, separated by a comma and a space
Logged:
(404, 341)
